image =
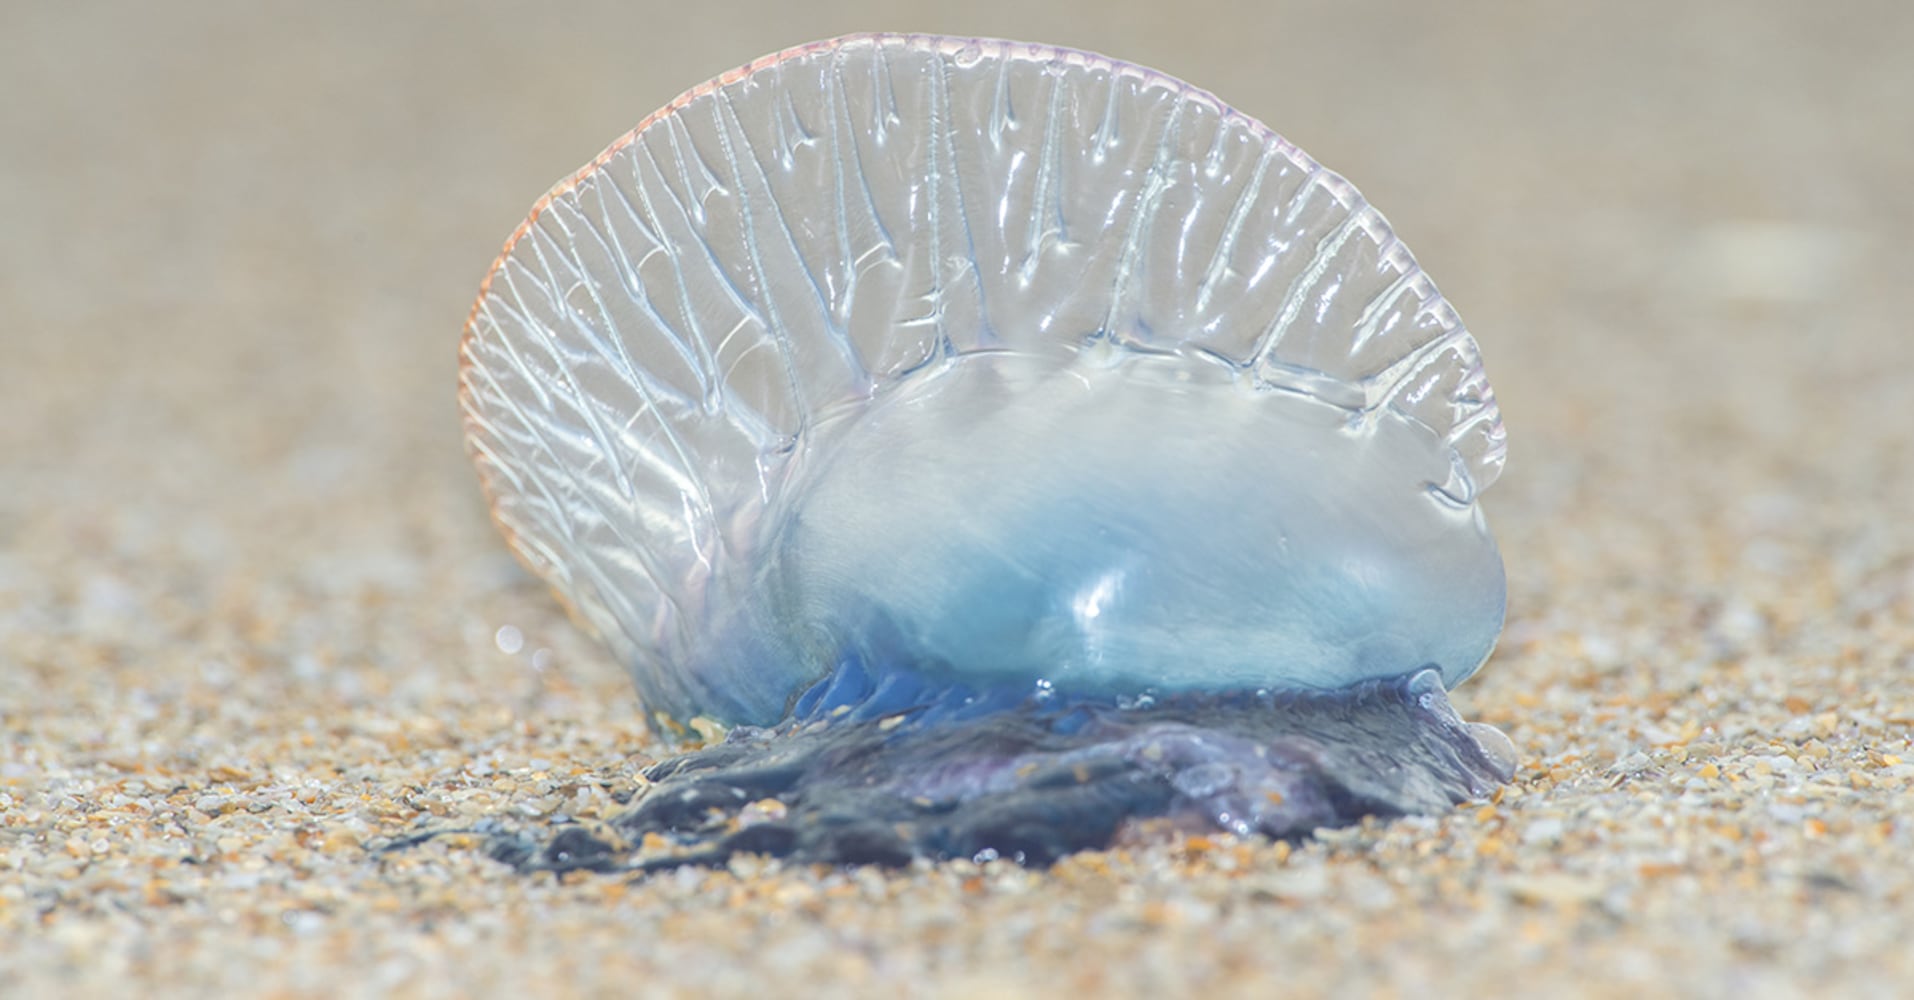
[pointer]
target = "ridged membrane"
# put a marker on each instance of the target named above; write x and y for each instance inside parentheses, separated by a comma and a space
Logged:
(669, 351)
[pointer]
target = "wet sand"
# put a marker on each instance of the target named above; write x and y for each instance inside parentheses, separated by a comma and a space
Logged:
(251, 605)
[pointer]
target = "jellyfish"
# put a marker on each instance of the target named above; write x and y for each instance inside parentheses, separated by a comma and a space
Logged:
(1008, 448)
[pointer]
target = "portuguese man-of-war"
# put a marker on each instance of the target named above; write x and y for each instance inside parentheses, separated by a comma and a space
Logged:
(1009, 445)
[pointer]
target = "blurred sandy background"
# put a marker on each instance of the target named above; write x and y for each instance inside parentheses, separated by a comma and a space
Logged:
(250, 603)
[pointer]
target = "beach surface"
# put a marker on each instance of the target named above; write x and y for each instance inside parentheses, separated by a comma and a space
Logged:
(254, 619)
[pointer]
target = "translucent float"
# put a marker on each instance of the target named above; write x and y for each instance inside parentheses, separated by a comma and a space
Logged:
(978, 427)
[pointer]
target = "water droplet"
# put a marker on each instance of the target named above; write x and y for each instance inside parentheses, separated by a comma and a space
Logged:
(509, 639)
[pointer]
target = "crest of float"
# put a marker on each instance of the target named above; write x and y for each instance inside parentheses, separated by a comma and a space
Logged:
(997, 363)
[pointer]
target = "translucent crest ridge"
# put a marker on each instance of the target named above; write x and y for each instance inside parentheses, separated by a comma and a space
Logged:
(657, 345)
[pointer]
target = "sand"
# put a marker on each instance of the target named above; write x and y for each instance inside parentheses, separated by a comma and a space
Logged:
(253, 618)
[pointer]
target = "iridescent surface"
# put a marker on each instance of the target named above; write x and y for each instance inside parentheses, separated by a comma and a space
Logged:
(993, 374)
